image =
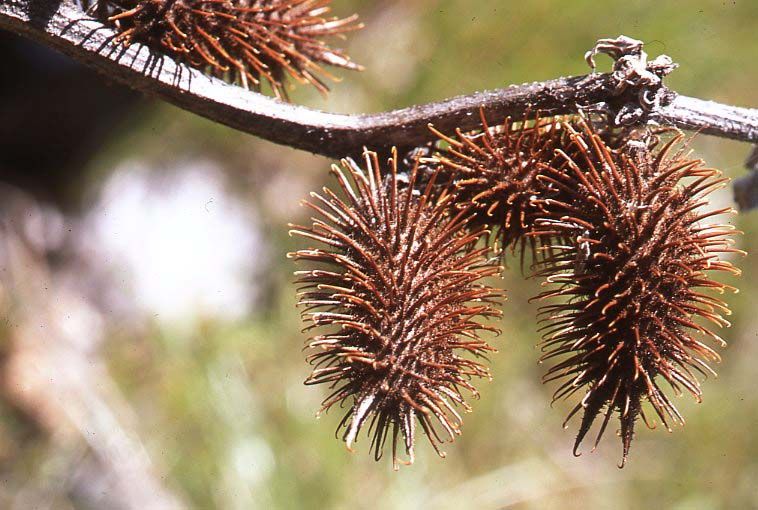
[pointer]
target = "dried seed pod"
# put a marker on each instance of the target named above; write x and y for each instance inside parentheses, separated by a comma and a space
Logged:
(495, 171)
(244, 40)
(397, 291)
(632, 279)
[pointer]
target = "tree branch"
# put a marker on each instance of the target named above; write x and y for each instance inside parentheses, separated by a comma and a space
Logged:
(63, 26)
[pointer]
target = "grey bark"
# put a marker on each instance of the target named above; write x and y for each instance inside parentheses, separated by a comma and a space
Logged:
(62, 25)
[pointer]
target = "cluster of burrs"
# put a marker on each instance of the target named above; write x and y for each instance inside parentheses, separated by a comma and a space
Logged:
(615, 225)
(398, 291)
(249, 42)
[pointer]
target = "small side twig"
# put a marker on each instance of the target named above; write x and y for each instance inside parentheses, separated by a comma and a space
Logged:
(746, 187)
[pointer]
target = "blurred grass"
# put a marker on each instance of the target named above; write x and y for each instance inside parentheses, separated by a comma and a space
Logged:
(223, 407)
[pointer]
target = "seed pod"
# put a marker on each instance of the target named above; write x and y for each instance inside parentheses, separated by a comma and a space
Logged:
(631, 277)
(244, 40)
(495, 172)
(397, 294)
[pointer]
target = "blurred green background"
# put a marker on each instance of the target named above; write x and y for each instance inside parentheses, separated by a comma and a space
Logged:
(174, 255)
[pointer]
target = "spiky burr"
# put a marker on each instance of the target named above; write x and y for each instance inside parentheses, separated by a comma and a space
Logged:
(495, 173)
(249, 41)
(396, 292)
(633, 280)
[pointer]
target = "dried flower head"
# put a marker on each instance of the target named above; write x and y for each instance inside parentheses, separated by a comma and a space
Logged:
(632, 277)
(495, 171)
(245, 40)
(397, 293)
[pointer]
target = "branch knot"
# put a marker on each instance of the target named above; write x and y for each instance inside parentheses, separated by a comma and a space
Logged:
(632, 71)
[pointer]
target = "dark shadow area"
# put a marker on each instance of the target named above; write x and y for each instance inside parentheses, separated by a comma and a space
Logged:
(41, 12)
(55, 114)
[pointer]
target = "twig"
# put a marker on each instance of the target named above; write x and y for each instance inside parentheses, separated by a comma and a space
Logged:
(746, 187)
(63, 26)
